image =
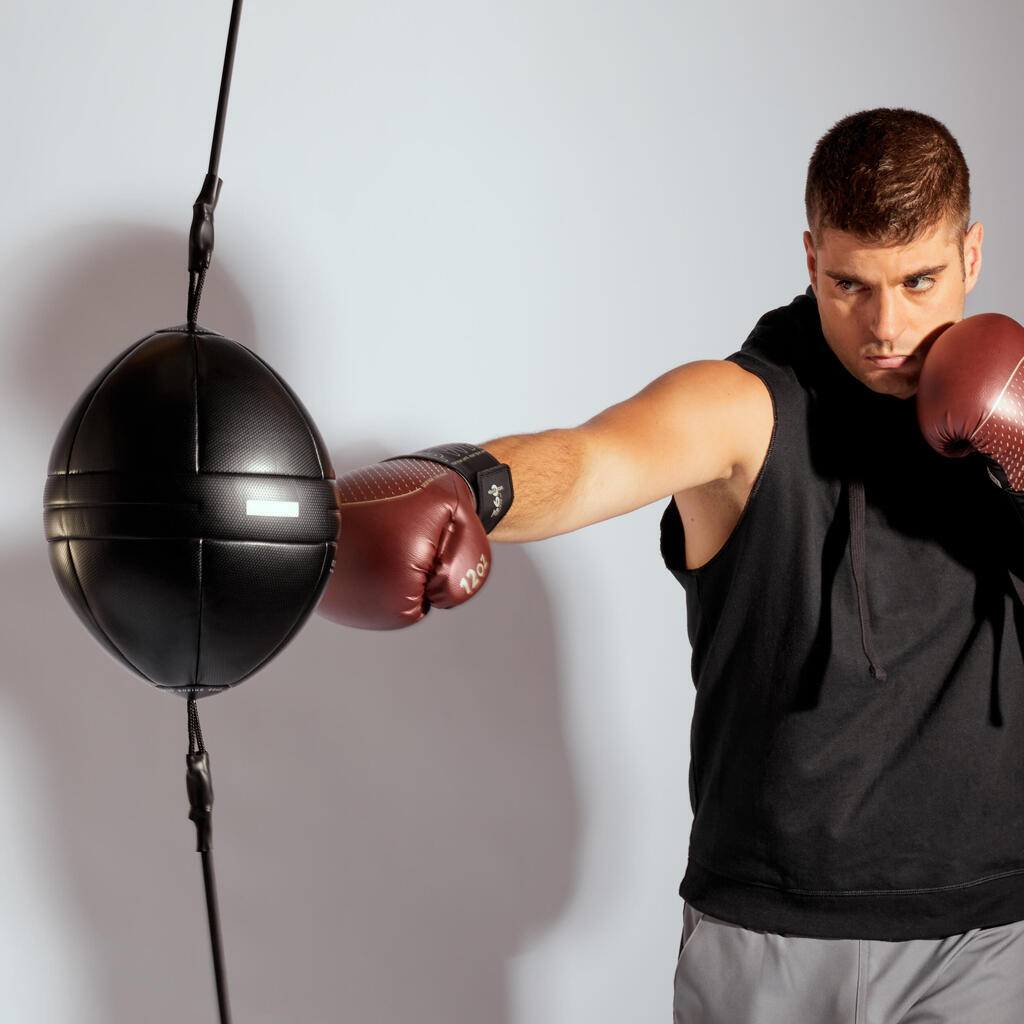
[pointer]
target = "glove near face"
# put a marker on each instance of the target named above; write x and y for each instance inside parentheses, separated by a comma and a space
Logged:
(970, 395)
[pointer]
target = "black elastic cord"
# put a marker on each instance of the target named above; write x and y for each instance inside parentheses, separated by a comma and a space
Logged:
(200, 240)
(200, 801)
(225, 87)
(197, 760)
(195, 293)
(195, 730)
(219, 973)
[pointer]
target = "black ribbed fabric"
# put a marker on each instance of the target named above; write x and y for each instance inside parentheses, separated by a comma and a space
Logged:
(830, 801)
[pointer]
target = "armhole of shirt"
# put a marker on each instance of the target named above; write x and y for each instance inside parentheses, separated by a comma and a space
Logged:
(672, 522)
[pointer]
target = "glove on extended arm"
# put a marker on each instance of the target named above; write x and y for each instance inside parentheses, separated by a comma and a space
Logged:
(414, 534)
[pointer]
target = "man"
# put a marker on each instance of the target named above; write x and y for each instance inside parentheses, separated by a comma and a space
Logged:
(857, 851)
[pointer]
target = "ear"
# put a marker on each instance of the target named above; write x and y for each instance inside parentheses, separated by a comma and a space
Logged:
(812, 260)
(972, 255)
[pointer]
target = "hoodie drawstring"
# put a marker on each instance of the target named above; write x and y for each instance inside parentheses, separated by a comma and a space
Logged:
(858, 556)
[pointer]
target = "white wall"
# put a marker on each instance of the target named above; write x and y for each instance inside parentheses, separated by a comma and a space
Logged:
(439, 221)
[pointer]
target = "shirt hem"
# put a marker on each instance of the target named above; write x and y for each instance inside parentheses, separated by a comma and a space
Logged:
(889, 916)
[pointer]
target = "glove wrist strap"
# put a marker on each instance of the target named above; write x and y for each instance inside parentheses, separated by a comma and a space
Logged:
(489, 479)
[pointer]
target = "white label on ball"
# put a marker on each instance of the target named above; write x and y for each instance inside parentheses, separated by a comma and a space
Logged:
(284, 509)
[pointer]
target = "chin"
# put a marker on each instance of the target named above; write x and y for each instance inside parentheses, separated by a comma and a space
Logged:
(894, 388)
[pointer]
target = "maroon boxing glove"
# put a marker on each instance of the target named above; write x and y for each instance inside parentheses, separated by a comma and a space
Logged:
(413, 535)
(970, 396)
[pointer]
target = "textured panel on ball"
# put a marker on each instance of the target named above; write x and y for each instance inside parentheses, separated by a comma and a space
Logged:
(144, 597)
(66, 574)
(143, 413)
(249, 419)
(255, 596)
(60, 454)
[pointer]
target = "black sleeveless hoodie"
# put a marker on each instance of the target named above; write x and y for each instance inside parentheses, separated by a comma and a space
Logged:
(857, 744)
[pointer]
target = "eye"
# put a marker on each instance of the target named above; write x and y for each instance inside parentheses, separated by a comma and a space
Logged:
(919, 284)
(849, 287)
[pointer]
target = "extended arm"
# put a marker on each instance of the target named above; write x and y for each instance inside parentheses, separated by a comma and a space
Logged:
(699, 423)
(413, 531)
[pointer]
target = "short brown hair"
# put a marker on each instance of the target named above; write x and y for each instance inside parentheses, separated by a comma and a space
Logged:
(885, 175)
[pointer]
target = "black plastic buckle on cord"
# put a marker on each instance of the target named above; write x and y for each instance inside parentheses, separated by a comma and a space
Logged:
(488, 479)
(200, 238)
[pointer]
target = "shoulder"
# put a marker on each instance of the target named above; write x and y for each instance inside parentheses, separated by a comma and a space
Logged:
(723, 395)
(711, 380)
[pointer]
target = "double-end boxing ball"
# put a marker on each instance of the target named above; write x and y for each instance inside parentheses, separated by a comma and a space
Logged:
(190, 510)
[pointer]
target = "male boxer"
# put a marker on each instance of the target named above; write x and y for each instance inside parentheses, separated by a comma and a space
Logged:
(857, 756)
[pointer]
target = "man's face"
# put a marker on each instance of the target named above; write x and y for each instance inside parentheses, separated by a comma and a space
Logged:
(882, 306)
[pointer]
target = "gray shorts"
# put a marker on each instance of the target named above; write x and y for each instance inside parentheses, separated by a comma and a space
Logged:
(731, 975)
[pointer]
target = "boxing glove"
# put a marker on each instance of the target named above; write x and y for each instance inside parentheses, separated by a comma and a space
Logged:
(970, 396)
(413, 535)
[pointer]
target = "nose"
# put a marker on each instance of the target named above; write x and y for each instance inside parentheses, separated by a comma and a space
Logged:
(888, 320)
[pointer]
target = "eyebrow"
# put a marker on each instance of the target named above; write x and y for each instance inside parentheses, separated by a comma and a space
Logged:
(926, 272)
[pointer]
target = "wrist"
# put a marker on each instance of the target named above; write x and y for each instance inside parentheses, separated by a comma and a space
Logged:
(488, 479)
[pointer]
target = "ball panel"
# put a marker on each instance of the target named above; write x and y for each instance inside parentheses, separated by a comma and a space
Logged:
(60, 454)
(143, 414)
(249, 422)
(255, 597)
(144, 596)
(64, 570)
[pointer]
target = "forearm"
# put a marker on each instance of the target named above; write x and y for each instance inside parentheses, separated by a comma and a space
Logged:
(548, 480)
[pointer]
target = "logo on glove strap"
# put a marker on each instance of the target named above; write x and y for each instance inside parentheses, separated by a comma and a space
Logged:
(495, 492)
(474, 578)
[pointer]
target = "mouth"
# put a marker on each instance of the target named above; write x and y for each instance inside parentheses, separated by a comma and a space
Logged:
(890, 362)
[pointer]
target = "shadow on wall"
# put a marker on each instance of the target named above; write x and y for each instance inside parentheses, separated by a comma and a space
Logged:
(395, 812)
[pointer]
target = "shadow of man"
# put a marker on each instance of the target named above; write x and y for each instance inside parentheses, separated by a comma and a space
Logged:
(395, 812)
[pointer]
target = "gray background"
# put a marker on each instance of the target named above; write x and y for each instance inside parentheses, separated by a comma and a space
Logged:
(440, 221)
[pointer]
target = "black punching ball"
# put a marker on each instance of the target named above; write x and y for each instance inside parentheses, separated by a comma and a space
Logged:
(191, 511)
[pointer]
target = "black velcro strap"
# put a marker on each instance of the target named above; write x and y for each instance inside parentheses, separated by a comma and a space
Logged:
(489, 479)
